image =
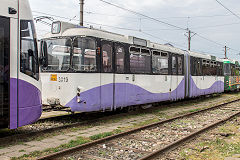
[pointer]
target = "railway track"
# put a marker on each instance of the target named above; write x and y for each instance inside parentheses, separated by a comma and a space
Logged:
(150, 141)
(66, 121)
(81, 121)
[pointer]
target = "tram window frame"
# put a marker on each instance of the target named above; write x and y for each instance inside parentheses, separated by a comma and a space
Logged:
(220, 69)
(182, 58)
(111, 58)
(226, 69)
(96, 55)
(176, 60)
(210, 68)
(163, 56)
(194, 70)
(28, 36)
(232, 67)
(136, 53)
(67, 43)
(116, 47)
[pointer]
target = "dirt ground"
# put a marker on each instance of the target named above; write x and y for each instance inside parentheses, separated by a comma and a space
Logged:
(40, 144)
(221, 143)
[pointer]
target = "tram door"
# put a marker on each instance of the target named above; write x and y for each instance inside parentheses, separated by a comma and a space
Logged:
(4, 70)
(174, 79)
(119, 77)
(107, 76)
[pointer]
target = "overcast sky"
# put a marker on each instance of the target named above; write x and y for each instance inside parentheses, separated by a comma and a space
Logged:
(207, 18)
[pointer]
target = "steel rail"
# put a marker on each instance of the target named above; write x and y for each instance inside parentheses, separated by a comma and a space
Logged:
(10, 138)
(93, 143)
(176, 144)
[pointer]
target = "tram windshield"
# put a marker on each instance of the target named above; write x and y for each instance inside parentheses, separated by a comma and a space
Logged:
(58, 54)
(227, 69)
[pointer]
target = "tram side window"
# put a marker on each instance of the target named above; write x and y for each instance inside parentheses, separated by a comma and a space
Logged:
(196, 66)
(159, 63)
(140, 60)
(84, 55)
(58, 57)
(107, 58)
(174, 65)
(210, 68)
(120, 56)
(28, 52)
(205, 68)
(237, 70)
(220, 69)
(180, 65)
(232, 70)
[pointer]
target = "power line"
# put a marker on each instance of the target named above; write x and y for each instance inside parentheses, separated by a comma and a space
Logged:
(162, 39)
(129, 29)
(228, 9)
(52, 15)
(209, 40)
(220, 25)
(122, 28)
(140, 14)
(70, 19)
(217, 43)
(174, 17)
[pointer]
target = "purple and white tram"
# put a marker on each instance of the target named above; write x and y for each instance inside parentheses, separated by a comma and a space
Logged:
(95, 70)
(20, 87)
(206, 75)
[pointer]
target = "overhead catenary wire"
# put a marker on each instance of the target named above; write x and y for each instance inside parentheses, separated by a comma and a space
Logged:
(227, 9)
(214, 26)
(162, 39)
(173, 17)
(217, 43)
(89, 22)
(140, 14)
(143, 32)
(143, 15)
(148, 17)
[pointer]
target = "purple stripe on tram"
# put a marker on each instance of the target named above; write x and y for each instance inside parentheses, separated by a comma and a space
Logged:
(29, 103)
(125, 95)
(217, 87)
(13, 104)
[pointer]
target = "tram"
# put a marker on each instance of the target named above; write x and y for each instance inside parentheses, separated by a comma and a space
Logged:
(20, 86)
(89, 70)
(231, 74)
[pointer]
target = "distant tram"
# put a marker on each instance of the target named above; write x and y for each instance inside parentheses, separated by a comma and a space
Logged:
(231, 73)
(89, 70)
(20, 87)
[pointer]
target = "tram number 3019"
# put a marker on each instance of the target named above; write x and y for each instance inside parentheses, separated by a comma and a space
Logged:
(62, 79)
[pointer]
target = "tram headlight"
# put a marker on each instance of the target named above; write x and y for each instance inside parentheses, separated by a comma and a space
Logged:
(78, 99)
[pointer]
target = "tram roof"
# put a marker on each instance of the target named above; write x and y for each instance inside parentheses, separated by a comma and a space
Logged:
(71, 30)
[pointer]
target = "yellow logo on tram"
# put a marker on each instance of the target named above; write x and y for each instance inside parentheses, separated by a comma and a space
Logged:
(53, 77)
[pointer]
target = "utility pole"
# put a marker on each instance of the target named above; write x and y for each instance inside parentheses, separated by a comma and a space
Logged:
(81, 12)
(189, 36)
(225, 52)
(189, 40)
